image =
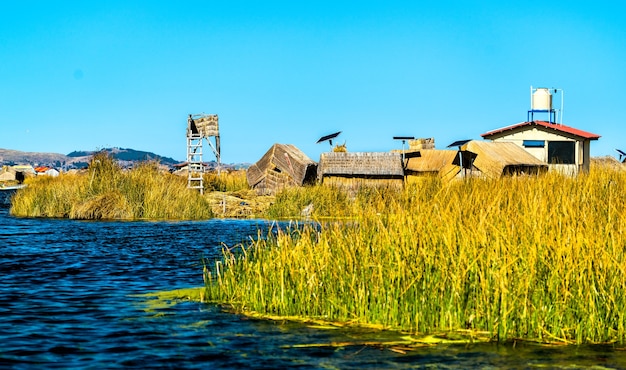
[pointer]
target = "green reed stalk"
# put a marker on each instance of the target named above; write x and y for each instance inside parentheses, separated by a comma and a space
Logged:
(538, 258)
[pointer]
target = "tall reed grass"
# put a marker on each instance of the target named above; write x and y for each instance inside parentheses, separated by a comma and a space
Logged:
(536, 258)
(107, 191)
(230, 181)
(322, 202)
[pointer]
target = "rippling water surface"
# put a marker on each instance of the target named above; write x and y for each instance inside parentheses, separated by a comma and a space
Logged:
(69, 298)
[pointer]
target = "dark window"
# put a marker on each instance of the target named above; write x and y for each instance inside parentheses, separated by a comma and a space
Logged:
(534, 143)
(561, 152)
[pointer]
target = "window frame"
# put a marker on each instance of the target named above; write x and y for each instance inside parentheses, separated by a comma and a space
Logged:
(562, 152)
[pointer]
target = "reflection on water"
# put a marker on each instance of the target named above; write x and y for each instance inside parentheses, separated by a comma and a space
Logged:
(70, 297)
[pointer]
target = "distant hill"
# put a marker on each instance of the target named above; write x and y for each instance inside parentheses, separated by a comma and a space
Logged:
(130, 155)
(77, 158)
(11, 157)
(80, 158)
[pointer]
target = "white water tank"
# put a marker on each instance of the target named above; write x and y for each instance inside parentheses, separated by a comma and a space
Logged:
(541, 100)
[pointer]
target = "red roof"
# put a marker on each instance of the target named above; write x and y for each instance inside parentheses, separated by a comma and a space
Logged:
(553, 126)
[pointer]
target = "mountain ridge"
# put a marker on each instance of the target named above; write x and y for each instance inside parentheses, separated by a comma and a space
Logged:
(13, 157)
(80, 158)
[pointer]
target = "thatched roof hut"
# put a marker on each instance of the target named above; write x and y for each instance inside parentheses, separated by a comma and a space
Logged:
(429, 161)
(7, 176)
(493, 159)
(205, 125)
(357, 169)
(282, 166)
(16, 173)
(502, 158)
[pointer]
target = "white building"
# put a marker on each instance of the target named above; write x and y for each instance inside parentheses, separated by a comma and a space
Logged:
(563, 148)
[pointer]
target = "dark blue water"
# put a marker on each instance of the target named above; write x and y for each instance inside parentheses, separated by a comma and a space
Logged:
(70, 297)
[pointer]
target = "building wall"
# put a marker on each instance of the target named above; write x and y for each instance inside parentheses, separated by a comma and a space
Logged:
(586, 155)
(581, 147)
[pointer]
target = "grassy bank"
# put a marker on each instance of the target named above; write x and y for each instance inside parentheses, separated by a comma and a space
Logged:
(533, 258)
(108, 192)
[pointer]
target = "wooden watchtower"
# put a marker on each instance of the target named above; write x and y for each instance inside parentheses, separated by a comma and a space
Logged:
(200, 127)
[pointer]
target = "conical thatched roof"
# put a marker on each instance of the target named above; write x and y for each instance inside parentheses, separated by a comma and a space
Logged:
(282, 165)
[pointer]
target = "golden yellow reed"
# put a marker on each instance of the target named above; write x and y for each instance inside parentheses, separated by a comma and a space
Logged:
(108, 192)
(225, 181)
(539, 258)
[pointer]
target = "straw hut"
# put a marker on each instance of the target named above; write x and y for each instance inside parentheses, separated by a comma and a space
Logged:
(428, 162)
(492, 160)
(354, 170)
(6, 175)
(17, 173)
(282, 166)
(26, 169)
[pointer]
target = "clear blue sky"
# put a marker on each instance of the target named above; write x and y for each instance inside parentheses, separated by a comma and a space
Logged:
(84, 75)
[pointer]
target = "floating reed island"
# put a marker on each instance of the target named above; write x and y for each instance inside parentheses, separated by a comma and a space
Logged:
(538, 258)
(106, 191)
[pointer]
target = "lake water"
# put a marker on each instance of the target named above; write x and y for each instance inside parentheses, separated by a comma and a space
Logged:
(70, 298)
